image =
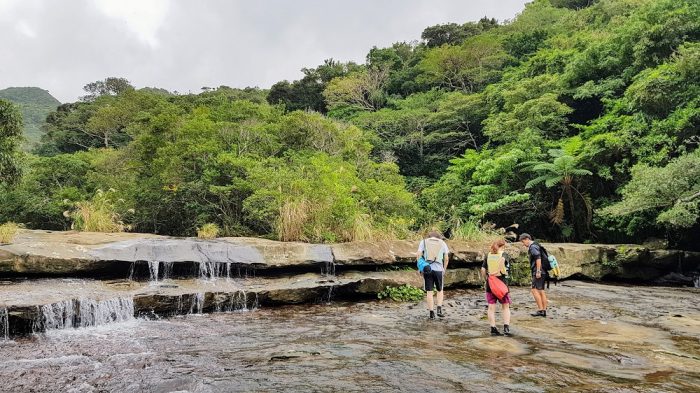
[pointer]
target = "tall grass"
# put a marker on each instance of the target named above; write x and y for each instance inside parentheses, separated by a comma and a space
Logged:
(208, 231)
(8, 231)
(293, 217)
(97, 215)
(474, 231)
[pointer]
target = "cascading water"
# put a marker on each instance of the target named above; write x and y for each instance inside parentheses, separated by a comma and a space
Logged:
(131, 271)
(167, 270)
(153, 267)
(59, 315)
(4, 324)
(96, 313)
(197, 303)
(328, 269)
(696, 281)
(228, 271)
(83, 313)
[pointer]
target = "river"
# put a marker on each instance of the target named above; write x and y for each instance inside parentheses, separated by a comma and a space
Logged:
(596, 338)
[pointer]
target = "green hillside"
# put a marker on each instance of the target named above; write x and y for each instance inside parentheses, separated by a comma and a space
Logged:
(35, 103)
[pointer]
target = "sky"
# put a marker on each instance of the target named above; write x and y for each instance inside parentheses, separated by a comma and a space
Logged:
(183, 45)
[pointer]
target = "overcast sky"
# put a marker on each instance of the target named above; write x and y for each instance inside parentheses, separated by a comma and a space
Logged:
(182, 45)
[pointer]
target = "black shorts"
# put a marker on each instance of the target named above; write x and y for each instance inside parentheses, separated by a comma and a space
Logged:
(538, 283)
(433, 280)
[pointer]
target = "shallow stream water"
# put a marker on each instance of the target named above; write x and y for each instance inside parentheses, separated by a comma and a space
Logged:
(596, 338)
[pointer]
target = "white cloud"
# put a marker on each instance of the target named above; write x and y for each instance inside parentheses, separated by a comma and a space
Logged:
(25, 29)
(183, 45)
(143, 18)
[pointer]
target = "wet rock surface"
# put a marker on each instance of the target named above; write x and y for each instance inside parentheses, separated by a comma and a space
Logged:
(597, 338)
(98, 255)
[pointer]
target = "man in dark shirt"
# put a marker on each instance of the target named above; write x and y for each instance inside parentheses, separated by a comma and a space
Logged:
(538, 274)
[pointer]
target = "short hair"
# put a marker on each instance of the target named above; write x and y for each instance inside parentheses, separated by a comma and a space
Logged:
(434, 234)
(524, 236)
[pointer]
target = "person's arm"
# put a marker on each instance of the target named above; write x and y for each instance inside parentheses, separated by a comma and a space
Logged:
(538, 262)
(483, 273)
(501, 266)
(419, 254)
(445, 256)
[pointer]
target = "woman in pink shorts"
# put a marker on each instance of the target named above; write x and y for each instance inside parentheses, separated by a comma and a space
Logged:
(495, 265)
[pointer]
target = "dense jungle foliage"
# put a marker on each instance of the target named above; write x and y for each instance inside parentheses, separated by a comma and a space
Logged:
(577, 120)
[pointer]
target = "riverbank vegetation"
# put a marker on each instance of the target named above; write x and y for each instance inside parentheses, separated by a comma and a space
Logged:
(577, 120)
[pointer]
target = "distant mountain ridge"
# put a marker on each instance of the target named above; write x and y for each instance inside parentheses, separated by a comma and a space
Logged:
(35, 103)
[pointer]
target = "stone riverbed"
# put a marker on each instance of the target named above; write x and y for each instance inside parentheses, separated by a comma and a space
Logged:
(597, 338)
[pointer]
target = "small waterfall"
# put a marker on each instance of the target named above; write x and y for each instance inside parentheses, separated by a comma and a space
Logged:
(4, 324)
(328, 269)
(228, 271)
(59, 315)
(696, 281)
(207, 270)
(197, 303)
(153, 267)
(330, 294)
(83, 313)
(96, 313)
(131, 271)
(167, 270)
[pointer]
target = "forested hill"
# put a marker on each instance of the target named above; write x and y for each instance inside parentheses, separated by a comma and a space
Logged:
(35, 103)
(577, 120)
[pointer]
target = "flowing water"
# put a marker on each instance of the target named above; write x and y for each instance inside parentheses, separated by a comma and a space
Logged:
(597, 338)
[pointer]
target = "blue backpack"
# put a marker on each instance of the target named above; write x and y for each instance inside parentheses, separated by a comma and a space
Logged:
(423, 265)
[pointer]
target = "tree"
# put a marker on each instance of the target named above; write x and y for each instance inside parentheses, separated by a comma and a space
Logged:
(468, 67)
(358, 91)
(307, 93)
(10, 137)
(562, 172)
(671, 193)
(573, 4)
(110, 86)
(455, 34)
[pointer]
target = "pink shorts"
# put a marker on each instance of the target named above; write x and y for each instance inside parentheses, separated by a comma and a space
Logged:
(491, 299)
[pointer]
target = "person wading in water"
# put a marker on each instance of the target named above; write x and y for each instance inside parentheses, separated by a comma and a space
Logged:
(495, 265)
(435, 252)
(538, 274)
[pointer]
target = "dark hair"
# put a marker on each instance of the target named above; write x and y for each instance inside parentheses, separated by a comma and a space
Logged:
(524, 236)
(496, 245)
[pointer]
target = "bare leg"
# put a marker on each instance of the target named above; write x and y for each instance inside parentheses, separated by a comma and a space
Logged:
(440, 297)
(492, 314)
(429, 300)
(505, 308)
(543, 298)
(538, 299)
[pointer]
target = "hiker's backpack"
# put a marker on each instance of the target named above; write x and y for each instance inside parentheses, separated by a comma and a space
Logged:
(549, 265)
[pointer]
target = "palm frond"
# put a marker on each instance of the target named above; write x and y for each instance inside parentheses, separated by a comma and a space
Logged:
(536, 181)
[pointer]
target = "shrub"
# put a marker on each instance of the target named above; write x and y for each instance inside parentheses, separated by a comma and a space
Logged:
(98, 214)
(403, 293)
(208, 231)
(8, 231)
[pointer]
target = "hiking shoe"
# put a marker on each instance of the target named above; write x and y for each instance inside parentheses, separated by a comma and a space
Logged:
(432, 314)
(506, 330)
(440, 313)
(539, 313)
(495, 332)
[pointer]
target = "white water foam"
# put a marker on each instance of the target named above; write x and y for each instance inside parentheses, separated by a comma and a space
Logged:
(153, 267)
(83, 312)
